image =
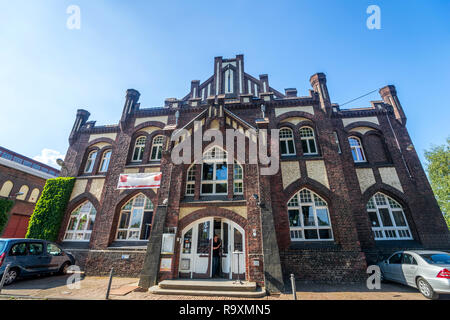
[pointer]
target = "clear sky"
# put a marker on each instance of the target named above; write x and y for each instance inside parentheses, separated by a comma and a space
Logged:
(47, 71)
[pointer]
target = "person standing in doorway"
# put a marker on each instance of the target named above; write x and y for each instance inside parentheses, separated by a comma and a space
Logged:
(217, 243)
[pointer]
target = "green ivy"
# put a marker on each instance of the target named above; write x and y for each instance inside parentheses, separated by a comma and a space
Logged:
(50, 208)
(5, 206)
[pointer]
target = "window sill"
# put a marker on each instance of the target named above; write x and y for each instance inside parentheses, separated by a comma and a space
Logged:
(149, 164)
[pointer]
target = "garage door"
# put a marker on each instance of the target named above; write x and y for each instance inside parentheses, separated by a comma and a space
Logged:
(17, 226)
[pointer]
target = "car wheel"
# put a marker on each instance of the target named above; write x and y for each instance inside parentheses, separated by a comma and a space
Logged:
(425, 289)
(11, 276)
(64, 268)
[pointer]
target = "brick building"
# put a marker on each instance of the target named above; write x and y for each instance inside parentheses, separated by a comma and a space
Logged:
(22, 180)
(350, 187)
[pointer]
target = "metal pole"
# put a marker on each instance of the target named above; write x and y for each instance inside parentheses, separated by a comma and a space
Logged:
(109, 283)
(294, 289)
(4, 276)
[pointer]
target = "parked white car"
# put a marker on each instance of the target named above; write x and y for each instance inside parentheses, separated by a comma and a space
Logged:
(428, 271)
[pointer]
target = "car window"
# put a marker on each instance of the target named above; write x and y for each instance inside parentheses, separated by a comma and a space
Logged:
(19, 249)
(53, 249)
(35, 248)
(2, 245)
(436, 258)
(396, 259)
(408, 259)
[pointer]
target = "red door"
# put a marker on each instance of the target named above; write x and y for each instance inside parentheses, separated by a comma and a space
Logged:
(17, 226)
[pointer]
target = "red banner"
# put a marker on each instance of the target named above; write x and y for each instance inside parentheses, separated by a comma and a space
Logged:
(139, 180)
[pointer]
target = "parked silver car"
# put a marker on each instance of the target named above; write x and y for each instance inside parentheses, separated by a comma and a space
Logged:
(428, 271)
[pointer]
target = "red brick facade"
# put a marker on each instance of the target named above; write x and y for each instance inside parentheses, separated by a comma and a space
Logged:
(391, 167)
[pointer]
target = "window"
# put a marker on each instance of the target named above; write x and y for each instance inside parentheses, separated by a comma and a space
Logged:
(357, 150)
(35, 249)
(157, 148)
(214, 172)
(105, 161)
(396, 258)
(238, 179)
(408, 259)
(81, 223)
(436, 258)
(53, 249)
(6, 189)
(308, 141)
(190, 181)
(135, 219)
(387, 218)
(90, 162)
(24, 191)
(19, 249)
(34, 195)
(308, 217)
(287, 142)
(139, 147)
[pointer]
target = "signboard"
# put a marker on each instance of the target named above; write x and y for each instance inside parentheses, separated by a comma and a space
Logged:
(168, 242)
(139, 180)
(166, 264)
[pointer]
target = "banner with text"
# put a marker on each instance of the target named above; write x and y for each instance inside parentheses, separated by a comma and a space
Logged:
(139, 180)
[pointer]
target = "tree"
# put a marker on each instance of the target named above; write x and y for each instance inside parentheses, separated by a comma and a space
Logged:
(5, 206)
(438, 168)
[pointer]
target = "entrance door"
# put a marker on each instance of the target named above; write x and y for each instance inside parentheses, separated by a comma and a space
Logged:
(196, 249)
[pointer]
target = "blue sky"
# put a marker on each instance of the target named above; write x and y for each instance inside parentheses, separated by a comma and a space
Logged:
(47, 71)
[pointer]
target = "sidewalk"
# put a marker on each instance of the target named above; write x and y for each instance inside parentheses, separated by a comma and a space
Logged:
(94, 288)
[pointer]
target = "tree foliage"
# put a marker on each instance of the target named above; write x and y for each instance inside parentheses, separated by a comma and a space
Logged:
(50, 208)
(5, 206)
(438, 168)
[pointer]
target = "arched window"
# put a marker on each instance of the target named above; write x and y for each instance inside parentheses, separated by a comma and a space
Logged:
(139, 147)
(106, 158)
(34, 195)
(214, 172)
(238, 179)
(135, 219)
(90, 162)
(157, 148)
(308, 141)
(387, 218)
(190, 181)
(24, 191)
(309, 219)
(287, 142)
(81, 223)
(6, 189)
(357, 149)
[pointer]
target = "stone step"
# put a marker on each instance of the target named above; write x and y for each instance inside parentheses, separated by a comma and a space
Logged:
(258, 293)
(208, 285)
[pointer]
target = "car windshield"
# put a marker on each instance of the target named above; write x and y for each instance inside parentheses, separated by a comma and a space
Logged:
(2, 245)
(436, 258)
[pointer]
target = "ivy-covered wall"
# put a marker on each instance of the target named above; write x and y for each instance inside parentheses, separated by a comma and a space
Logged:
(49, 211)
(5, 206)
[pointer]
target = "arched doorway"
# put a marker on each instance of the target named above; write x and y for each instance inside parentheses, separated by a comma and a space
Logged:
(196, 249)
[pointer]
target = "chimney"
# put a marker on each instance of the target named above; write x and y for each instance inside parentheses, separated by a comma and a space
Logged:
(389, 96)
(290, 92)
(80, 120)
(131, 104)
(319, 84)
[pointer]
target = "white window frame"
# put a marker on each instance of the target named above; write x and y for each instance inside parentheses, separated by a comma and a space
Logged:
(90, 162)
(317, 203)
(158, 145)
(106, 159)
(238, 179)
(212, 157)
(393, 232)
(354, 150)
(140, 145)
(130, 210)
(285, 140)
(190, 180)
(85, 209)
(308, 139)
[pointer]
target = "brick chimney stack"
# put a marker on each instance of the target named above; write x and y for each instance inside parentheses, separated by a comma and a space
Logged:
(319, 84)
(389, 95)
